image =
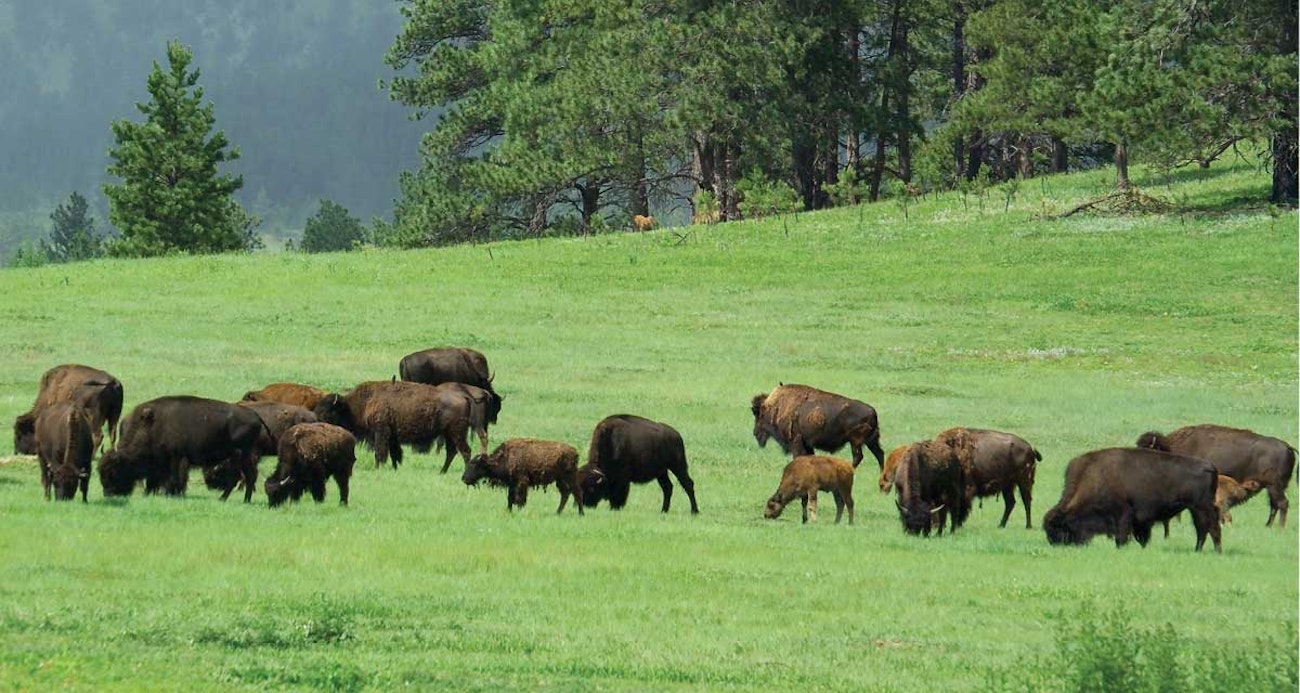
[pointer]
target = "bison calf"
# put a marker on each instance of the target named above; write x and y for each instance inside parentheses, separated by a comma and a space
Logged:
(521, 463)
(308, 455)
(64, 444)
(1231, 493)
(304, 396)
(804, 477)
(886, 481)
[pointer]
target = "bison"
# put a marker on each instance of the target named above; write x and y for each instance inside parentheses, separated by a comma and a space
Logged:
(304, 396)
(309, 454)
(278, 418)
(64, 443)
(385, 415)
(1241, 454)
(1230, 494)
(164, 437)
(451, 365)
(95, 391)
(804, 477)
(930, 482)
(628, 449)
(996, 463)
(887, 470)
(521, 463)
(1122, 492)
(801, 418)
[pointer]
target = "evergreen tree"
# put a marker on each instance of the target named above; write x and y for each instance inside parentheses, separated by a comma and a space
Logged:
(73, 236)
(172, 198)
(331, 229)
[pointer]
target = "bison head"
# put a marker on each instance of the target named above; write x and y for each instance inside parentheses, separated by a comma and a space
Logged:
(116, 474)
(223, 477)
(333, 409)
(774, 507)
(592, 481)
(1058, 529)
(494, 404)
(66, 478)
(1154, 440)
(918, 516)
(25, 435)
(279, 489)
(760, 430)
(475, 470)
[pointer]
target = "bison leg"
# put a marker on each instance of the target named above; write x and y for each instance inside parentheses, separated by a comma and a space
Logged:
(250, 477)
(839, 505)
(457, 441)
(521, 496)
(46, 479)
(688, 485)
(1207, 522)
(1124, 527)
(804, 502)
(317, 489)
(667, 487)
(342, 480)
(857, 454)
(1277, 503)
(85, 485)
(1027, 497)
(1008, 504)
(848, 501)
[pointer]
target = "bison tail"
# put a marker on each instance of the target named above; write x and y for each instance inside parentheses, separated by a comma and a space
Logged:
(115, 397)
(1038, 456)
(1154, 440)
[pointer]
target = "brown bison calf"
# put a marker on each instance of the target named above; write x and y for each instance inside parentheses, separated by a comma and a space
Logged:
(308, 455)
(304, 396)
(520, 463)
(96, 392)
(1231, 493)
(804, 477)
(64, 444)
(895, 456)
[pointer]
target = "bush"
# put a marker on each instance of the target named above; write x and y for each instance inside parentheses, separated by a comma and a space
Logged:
(331, 229)
(760, 197)
(31, 254)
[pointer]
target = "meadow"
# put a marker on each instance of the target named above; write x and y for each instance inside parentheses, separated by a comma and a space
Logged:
(1076, 334)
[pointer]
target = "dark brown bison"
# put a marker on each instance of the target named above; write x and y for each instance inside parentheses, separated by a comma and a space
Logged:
(801, 419)
(64, 443)
(386, 415)
(804, 477)
(304, 396)
(451, 365)
(95, 391)
(628, 450)
(931, 488)
(164, 437)
(1122, 492)
(307, 456)
(523, 463)
(1238, 453)
(996, 463)
(278, 418)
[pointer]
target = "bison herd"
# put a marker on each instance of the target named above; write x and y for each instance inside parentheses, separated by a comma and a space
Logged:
(445, 394)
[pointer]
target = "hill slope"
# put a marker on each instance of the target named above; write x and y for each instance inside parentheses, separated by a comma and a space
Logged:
(1075, 334)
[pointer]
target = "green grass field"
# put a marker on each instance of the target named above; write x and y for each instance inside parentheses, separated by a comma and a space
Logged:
(1075, 334)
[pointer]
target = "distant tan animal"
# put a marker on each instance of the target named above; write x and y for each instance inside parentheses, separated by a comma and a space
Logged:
(304, 396)
(1231, 493)
(804, 477)
(642, 223)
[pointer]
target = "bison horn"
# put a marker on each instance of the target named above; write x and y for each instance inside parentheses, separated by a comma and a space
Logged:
(940, 507)
(286, 480)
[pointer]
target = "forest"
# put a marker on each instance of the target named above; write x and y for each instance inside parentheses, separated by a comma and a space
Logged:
(453, 121)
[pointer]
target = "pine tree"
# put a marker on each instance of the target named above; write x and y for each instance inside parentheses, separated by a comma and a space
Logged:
(172, 197)
(73, 236)
(331, 229)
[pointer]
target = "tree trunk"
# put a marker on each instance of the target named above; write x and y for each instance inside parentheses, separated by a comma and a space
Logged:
(958, 76)
(1025, 157)
(1284, 138)
(853, 143)
(590, 194)
(1121, 166)
(1060, 156)
(878, 169)
(702, 166)
(904, 57)
(639, 204)
(803, 154)
(975, 155)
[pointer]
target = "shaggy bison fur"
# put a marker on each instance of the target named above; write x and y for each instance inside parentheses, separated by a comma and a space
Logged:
(307, 456)
(802, 418)
(64, 444)
(931, 488)
(996, 463)
(164, 437)
(628, 450)
(96, 392)
(1122, 492)
(523, 463)
(804, 477)
(1238, 453)
(386, 415)
(304, 396)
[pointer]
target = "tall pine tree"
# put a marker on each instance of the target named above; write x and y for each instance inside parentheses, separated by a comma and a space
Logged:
(172, 198)
(73, 236)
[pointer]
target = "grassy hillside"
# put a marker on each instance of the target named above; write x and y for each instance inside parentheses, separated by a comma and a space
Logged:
(1076, 334)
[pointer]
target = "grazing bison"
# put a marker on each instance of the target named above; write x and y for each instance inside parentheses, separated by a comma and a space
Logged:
(64, 443)
(996, 463)
(164, 437)
(1122, 492)
(1238, 453)
(385, 415)
(628, 449)
(95, 391)
(451, 365)
(278, 418)
(1230, 494)
(521, 463)
(804, 477)
(304, 396)
(931, 485)
(801, 418)
(307, 456)
(886, 481)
